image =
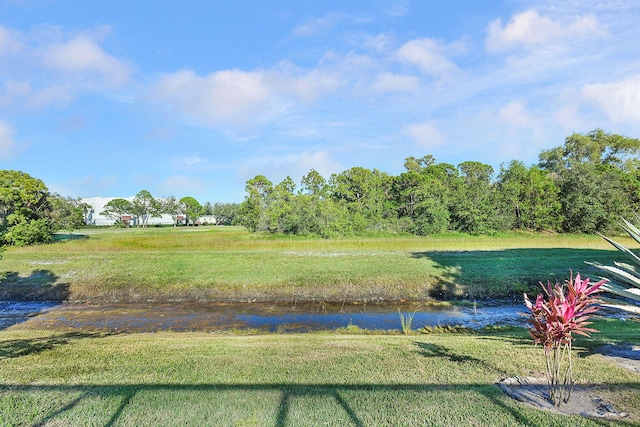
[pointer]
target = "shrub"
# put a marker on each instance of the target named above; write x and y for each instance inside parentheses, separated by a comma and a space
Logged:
(565, 311)
(29, 232)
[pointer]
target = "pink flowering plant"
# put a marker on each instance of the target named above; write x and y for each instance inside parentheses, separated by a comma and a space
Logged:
(556, 315)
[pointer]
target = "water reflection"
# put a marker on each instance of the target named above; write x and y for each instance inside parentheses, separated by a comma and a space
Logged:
(271, 317)
(14, 312)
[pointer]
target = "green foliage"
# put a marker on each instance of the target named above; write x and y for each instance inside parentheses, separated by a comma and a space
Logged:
(528, 197)
(406, 322)
(145, 206)
(625, 277)
(472, 210)
(25, 209)
(191, 208)
(225, 213)
(553, 322)
(571, 190)
(171, 207)
(67, 213)
(253, 211)
(596, 148)
(29, 232)
(597, 175)
(116, 208)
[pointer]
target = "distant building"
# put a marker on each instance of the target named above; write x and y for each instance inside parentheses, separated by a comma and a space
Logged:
(98, 203)
(207, 220)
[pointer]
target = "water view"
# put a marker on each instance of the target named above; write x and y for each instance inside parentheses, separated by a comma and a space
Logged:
(271, 317)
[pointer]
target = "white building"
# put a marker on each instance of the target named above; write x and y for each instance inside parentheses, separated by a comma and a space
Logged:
(97, 205)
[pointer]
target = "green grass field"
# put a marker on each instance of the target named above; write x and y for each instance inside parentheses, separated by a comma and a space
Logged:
(227, 263)
(340, 378)
(329, 379)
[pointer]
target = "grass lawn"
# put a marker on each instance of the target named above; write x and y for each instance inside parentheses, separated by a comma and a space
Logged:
(348, 377)
(332, 379)
(227, 263)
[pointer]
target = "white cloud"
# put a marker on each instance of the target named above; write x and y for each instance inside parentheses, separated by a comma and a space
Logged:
(620, 101)
(289, 82)
(396, 8)
(45, 67)
(13, 90)
(22, 91)
(515, 116)
(321, 161)
(60, 94)
(192, 164)
(427, 135)
(379, 43)
(9, 147)
(528, 29)
(389, 82)
(237, 98)
(9, 41)
(312, 27)
(223, 96)
(295, 165)
(430, 56)
(568, 118)
(83, 55)
(180, 184)
(328, 22)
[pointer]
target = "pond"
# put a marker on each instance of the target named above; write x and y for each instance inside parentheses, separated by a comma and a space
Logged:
(271, 317)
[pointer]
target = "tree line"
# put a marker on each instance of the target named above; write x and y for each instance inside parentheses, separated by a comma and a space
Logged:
(584, 186)
(144, 206)
(30, 214)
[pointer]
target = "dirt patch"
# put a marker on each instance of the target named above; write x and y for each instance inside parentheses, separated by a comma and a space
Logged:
(584, 399)
(626, 356)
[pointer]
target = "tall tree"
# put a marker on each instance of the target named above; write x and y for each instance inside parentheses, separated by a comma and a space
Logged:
(225, 213)
(597, 174)
(172, 207)
(314, 184)
(145, 206)
(422, 195)
(596, 147)
(366, 193)
(207, 208)
(192, 209)
(253, 210)
(24, 209)
(283, 217)
(472, 208)
(67, 213)
(416, 165)
(529, 197)
(116, 209)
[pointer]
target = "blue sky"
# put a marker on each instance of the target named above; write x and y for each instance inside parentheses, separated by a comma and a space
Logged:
(193, 98)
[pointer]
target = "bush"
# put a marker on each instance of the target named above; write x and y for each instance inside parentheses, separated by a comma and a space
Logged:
(28, 233)
(554, 320)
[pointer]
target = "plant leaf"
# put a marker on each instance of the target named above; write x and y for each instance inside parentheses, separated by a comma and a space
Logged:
(621, 248)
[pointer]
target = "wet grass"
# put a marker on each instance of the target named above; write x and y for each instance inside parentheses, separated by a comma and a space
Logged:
(227, 263)
(280, 380)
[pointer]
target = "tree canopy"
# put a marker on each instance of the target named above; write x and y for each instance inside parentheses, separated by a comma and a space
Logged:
(25, 209)
(583, 186)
